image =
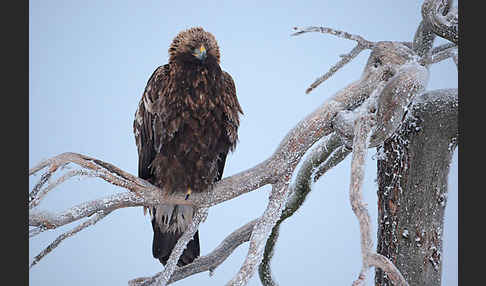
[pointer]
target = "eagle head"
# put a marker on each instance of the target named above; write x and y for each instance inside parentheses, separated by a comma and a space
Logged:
(195, 46)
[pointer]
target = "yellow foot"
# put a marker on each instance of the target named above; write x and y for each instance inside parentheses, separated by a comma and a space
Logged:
(189, 191)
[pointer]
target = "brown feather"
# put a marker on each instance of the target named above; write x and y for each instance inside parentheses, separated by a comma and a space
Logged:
(185, 124)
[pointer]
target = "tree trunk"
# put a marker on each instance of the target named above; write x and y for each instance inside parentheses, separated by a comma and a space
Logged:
(413, 167)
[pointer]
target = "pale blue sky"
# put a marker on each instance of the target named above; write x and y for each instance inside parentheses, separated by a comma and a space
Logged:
(89, 62)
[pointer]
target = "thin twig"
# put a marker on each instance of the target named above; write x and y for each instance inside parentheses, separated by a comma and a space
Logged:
(341, 34)
(341, 63)
(36, 189)
(362, 45)
(41, 165)
(97, 217)
(36, 198)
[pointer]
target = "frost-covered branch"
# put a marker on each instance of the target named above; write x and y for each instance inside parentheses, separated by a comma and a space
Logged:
(423, 40)
(362, 45)
(260, 233)
(208, 262)
(442, 18)
(360, 144)
(400, 79)
(199, 216)
(96, 217)
(341, 34)
(362, 132)
(327, 153)
(38, 192)
(445, 54)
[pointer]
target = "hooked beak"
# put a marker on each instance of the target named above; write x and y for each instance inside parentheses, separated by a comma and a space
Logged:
(200, 53)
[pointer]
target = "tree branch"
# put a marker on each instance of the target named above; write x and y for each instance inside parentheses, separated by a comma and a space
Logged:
(360, 145)
(423, 40)
(199, 216)
(328, 150)
(260, 233)
(97, 217)
(208, 262)
(341, 34)
(442, 18)
(362, 45)
(390, 99)
(445, 54)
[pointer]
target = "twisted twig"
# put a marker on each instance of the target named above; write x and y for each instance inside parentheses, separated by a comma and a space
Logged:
(362, 45)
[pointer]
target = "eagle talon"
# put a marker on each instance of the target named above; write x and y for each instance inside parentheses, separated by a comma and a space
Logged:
(189, 191)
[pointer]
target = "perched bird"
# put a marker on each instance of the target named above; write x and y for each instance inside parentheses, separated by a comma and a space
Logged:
(185, 125)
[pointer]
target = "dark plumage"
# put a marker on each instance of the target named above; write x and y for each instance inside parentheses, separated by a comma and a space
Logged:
(185, 124)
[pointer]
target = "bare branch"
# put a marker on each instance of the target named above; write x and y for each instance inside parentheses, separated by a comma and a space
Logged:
(445, 54)
(199, 216)
(41, 165)
(260, 233)
(97, 217)
(344, 60)
(208, 262)
(395, 95)
(395, 98)
(264, 269)
(443, 47)
(109, 203)
(442, 18)
(423, 40)
(327, 150)
(362, 45)
(34, 193)
(380, 261)
(341, 34)
(360, 145)
(37, 195)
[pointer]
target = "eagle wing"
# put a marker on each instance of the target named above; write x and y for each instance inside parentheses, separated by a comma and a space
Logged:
(231, 110)
(146, 136)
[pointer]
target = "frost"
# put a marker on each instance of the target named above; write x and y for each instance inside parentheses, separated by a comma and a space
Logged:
(42, 215)
(405, 233)
(380, 154)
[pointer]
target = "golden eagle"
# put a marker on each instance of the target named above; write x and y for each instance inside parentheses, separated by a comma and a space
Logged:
(185, 124)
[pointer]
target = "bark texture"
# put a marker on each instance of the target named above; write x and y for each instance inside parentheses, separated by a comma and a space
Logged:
(412, 188)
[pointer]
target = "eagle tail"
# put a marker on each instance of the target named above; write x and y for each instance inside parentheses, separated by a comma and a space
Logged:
(167, 235)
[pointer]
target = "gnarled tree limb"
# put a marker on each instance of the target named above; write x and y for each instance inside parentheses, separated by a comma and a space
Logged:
(392, 72)
(442, 18)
